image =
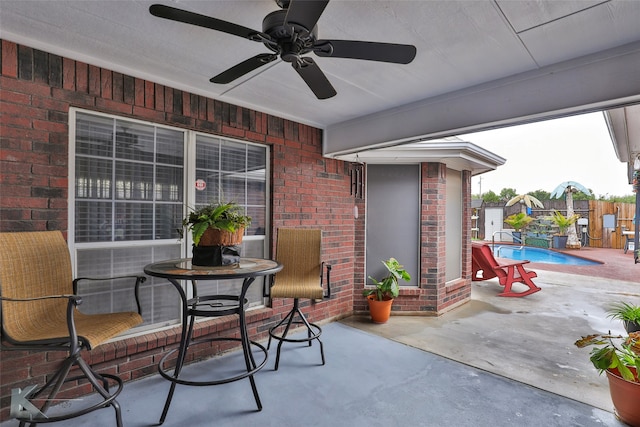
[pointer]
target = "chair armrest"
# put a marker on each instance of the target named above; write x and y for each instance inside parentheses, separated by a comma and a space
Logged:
(328, 266)
(512, 264)
(139, 280)
(77, 300)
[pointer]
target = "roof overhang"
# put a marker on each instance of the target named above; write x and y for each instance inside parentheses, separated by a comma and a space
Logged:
(624, 128)
(456, 154)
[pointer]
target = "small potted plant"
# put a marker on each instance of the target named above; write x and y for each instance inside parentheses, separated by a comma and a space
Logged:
(217, 230)
(628, 314)
(563, 223)
(518, 221)
(380, 298)
(619, 357)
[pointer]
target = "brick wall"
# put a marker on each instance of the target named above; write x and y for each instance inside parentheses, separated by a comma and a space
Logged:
(36, 91)
(433, 296)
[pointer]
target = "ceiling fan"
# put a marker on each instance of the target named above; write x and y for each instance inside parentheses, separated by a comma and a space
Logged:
(290, 33)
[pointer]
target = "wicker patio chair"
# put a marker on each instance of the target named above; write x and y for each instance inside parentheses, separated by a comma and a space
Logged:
(299, 251)
(40, 313)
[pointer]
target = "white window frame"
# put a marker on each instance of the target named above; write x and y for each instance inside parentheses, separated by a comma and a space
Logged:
(189, 173)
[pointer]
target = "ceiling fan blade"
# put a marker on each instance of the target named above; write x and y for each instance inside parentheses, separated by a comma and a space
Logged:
(179, 15)
(314, 78)
(370, 51)
(243, 68)
(305, 12)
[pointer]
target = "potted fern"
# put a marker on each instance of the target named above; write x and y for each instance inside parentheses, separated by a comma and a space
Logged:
(518, 221)
(563, 223)
(628, 314)
(216, 230)
(380, 298)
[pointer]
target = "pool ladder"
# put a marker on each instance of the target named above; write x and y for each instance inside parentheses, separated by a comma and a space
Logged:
(493, 241)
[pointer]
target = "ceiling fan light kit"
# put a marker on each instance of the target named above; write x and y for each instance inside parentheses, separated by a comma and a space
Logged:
(291, 33)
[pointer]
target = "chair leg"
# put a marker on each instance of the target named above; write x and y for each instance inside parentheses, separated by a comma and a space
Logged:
(55, 383)
(310, 333)
(313, 331)
(62, 376)
(289, 318)
(523, 277)
(93, 379)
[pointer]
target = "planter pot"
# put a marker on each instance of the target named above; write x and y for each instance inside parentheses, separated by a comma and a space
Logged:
(215, 237)
(560, 242)
(218, 248)
(517, 237)
(380, 310)
(215, 256)
(631, 326)
(625, 396)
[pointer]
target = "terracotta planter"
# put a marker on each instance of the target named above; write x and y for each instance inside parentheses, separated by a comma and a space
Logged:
(380, 310)
(626, 398)
(215, 237)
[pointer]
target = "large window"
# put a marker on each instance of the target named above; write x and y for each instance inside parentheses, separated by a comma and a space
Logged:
(131, 183)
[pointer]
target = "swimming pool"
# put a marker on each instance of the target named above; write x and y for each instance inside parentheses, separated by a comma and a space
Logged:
(538, 255)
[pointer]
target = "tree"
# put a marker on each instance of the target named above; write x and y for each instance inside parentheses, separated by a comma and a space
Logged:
(507, 194)
(583, 196)
(631, 198)
(568, 188)
(490, 197)
(541, 194)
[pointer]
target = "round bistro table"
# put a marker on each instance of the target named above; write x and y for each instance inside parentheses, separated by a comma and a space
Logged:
(177, 270)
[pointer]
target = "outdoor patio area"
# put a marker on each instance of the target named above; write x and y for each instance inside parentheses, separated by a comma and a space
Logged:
(493, 362)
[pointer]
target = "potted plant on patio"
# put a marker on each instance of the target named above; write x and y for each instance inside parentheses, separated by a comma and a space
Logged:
(563, 223)
(518, 221)
(619, 357)
(628, 314)
(380, 298)
(217, 230)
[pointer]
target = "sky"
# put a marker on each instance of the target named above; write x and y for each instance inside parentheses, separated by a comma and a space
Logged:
(536, 156)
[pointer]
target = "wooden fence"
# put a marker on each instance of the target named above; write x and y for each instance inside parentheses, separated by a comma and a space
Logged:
(620, 214)
(607, 237)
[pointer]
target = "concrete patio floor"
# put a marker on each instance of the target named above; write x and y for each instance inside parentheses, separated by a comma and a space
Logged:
(492, 362)
(528, 339)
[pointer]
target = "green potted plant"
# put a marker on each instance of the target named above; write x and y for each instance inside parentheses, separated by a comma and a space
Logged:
(628, 314)
(619, 357)
(518, 221)
(217, 230)
(380, 298)
(563, 223)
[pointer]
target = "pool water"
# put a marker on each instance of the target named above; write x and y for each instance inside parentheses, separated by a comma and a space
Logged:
(532, 254)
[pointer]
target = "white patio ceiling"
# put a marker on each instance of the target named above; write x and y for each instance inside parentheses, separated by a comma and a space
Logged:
(479, 63)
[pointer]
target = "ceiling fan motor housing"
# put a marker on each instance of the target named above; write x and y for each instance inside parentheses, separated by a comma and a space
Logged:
(289, 40)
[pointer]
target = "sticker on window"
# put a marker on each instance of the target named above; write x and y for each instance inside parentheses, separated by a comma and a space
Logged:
(200, 184)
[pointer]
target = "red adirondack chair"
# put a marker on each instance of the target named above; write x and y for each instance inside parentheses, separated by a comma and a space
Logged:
(486, 267)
